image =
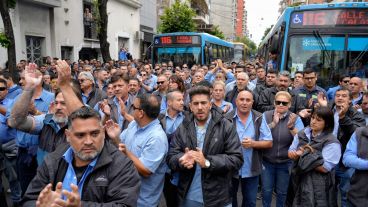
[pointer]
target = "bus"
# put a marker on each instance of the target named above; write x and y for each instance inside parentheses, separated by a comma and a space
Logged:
(190, 48)
(240, 52)
(331, 39)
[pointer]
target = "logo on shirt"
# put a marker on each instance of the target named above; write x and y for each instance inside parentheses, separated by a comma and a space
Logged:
(102, 178)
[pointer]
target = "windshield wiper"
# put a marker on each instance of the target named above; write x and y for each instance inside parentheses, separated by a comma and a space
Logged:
(360, 56)
(322, 44)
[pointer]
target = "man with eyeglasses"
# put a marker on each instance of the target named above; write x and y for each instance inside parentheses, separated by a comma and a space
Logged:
(91, 95)
(13, 89)
(146, 144)
(148, 80)
(308, 93)
(343, 83)
(161, 92)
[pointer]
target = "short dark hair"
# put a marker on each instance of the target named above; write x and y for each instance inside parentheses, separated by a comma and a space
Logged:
(85, 112)
(345, 89)
(308, 71)
(117, 77)
(150, 104)
(134, 79)
(199, 90)
(342, 77)
(327, 115)
(272, 71)
(205, 83)
(3, 81)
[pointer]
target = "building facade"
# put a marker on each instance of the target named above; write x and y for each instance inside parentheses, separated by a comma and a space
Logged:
(67, 29)
(148, 26)
(223, 14)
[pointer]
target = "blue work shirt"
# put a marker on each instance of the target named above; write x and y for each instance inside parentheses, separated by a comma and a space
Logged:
(331, 153)
(247, 130)
(210, 77)
(13, 92)
(151, 82)
(149, 144)
(224, 104)
(42, 104)
(357, 100)
(351, 158)
(172, 123)
(195, 191)
(70, 176)
(6, 133)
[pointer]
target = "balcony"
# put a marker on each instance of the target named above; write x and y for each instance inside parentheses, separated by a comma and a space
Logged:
(201, 18)
(47, 3)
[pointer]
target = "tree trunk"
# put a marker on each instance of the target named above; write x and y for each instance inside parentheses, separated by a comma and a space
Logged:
(8, 30)
(102, 33)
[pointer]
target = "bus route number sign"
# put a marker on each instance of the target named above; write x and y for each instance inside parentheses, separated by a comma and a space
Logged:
(181, 39)
(337, 17)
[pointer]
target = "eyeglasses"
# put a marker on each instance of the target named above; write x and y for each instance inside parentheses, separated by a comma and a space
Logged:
(184, 67)
(346, 81)
(161, 82)
(3, 88)
(81, 80)
(281, 103)
(135, 108)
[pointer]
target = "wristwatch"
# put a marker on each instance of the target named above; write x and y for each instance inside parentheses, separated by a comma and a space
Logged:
(207, 163)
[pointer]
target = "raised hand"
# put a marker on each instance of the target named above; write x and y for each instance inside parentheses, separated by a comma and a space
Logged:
(112, 129)
(105, 108)
(292, 120)
(305, 113)
(73, 198)
(48, 197)
(32, 77)
(342, 109)
(64, 72)
(276, 118)
(322, 100)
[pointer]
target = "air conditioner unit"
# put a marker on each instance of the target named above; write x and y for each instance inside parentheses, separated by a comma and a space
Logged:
(138, 35)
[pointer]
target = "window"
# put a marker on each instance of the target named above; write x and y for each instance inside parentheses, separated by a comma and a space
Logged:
(66, 52)
(34, 49)
(90, 29)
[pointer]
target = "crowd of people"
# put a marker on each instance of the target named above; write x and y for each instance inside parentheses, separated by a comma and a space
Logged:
(122, 133)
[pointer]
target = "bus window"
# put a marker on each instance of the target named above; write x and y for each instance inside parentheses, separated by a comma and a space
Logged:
(324, 54)
(214, 51)
(357, 60)
(221, 54)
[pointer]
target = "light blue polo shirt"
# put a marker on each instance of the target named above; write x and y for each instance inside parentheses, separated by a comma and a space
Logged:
(149, 144)
(248, 130)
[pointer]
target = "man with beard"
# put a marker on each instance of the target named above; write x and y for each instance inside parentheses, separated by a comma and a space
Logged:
(89, 172)
(50, 127)
(206, 151)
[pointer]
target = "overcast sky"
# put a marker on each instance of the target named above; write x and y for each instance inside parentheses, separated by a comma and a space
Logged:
(261, 14)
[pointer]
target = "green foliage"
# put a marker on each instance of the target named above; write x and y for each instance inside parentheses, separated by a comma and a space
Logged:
(296, 4)
(4, 41)
(267, 31)
(217, 32)
(248, 42)
(177, 18)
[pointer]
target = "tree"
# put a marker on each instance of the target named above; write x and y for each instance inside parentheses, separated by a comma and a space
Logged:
(102, 19)
(215, 31)
(248, 42)
(267, 31)
(177, 18)
(7, 38)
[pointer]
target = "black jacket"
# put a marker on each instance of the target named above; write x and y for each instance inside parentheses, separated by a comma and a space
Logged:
(114, 180)
(221, 147)
(95, 96)
(267, 97)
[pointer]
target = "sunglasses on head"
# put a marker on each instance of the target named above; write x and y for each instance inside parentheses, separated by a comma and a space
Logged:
(281, 103)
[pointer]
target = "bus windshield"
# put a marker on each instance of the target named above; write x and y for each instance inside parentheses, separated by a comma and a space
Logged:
(178, 55)
(326, 55)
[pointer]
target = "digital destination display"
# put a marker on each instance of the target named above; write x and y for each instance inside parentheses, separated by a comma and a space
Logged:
(180, 39)
(335, 17)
